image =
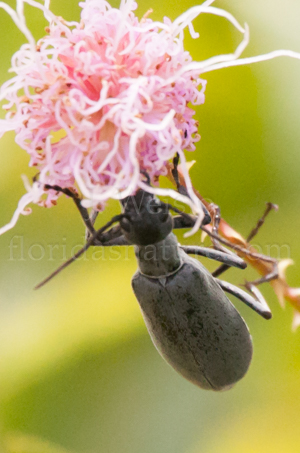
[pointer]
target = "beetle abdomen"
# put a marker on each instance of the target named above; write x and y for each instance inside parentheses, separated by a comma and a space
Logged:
(194, 326)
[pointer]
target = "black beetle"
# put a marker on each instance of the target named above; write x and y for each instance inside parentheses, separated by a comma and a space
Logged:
(192, 323)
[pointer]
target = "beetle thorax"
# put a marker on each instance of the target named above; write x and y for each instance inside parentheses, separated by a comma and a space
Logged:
(160, 259)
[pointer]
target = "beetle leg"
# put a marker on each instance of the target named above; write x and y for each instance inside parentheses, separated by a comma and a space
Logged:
(215, 228)
(216, 219)
(258, 296)
(257, 304)
(83, 211)
(220, 270)
(92, 217)
(88, 219)
(230, 260)
(90, 242)
(120, 241)
(111, 237)
(273, 275)
(261, 221)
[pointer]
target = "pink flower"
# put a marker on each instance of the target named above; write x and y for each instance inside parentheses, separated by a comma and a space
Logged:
(93, 103)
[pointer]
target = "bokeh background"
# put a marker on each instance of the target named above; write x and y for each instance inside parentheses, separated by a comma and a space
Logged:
(78, 371)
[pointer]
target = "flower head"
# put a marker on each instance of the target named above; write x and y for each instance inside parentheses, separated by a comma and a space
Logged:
(96, 103)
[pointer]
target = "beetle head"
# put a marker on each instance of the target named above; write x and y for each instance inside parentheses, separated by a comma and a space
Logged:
(146, 219)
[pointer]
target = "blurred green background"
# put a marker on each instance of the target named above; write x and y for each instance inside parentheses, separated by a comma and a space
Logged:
(78, 371)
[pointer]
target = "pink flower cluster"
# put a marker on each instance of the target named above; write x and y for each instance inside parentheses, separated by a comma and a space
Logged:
(96, 102)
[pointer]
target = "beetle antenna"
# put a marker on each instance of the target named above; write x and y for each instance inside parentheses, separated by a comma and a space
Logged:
(90, 241)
